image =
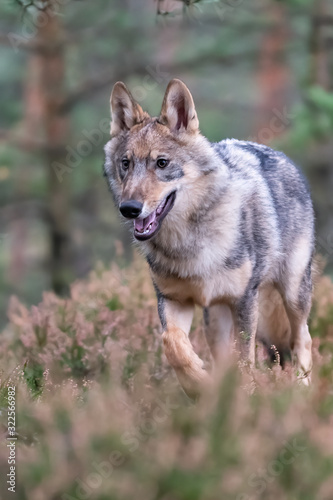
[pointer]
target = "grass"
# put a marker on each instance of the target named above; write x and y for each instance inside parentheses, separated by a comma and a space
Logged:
(101, 416)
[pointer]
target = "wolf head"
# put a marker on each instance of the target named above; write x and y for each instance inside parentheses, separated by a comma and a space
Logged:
(152, 162)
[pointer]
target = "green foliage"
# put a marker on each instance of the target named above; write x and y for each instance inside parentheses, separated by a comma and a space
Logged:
(33, 375)
(132, 364)
(313, 120)
(114, 303)
(320, 325)
(74, 360)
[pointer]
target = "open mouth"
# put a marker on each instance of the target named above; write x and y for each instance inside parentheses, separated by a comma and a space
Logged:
(146, 228)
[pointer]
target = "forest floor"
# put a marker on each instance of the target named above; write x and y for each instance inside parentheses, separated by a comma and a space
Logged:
(100, 415)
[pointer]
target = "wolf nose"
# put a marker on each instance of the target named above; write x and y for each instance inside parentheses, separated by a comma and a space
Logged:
(131, 209)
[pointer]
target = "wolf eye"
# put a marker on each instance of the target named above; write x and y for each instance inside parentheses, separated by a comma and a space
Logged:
(125, 163)
(162, 162)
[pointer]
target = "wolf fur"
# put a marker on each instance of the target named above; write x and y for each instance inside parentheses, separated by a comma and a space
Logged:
(238, 240)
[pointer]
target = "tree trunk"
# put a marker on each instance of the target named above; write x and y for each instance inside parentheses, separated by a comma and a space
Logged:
(273, 77)
(56, 138)
(319, 72)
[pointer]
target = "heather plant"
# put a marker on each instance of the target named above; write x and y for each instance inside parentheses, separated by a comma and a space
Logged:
(101, 416)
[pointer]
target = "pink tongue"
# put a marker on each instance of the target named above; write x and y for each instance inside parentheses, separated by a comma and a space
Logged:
(141, 225)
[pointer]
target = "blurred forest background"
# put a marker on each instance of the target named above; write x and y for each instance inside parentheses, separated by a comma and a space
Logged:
(259, 70)
(100, 414)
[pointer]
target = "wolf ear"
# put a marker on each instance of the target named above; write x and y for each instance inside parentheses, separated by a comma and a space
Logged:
(125, 112)
(178, 110)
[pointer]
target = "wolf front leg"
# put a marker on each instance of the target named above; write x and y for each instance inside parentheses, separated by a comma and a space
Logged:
(176, 319)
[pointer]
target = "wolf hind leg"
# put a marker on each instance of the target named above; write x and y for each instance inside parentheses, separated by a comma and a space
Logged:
(219, 331)
(273, 325)
(300, 342)
(297, 302)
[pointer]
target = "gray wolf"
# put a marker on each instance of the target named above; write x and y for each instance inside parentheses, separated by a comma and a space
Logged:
(228, 226)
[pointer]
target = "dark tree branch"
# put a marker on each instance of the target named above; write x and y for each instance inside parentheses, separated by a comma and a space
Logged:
(91, 86)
